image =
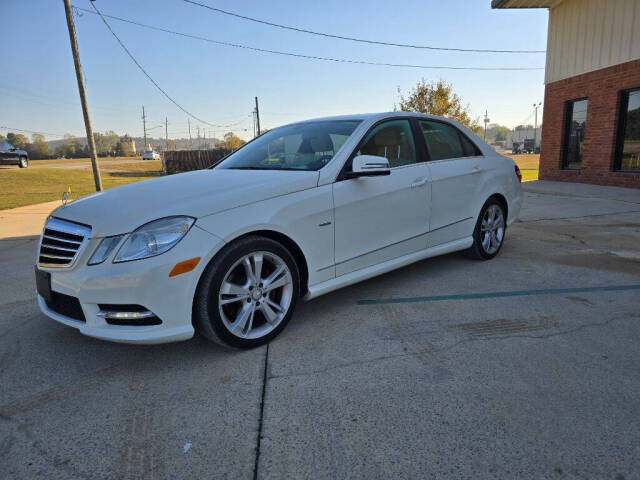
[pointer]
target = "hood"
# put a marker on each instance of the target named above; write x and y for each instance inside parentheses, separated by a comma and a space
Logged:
(197, 194)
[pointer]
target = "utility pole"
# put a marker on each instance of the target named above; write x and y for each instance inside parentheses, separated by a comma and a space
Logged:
(189, 123)
(166, 133)
(257, 117)
(144, 128)
(198, 127)
(486, 121)
(535, 126)
(83, 96)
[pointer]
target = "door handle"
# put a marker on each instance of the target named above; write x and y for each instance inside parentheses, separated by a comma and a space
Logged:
(475, 169)
(419, 183)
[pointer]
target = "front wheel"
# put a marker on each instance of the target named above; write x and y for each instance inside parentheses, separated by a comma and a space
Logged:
(23, 163)
(488, 234)
(247, 294)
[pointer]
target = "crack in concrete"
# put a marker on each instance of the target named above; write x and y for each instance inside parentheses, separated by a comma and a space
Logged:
(261, 417)
(453, 346)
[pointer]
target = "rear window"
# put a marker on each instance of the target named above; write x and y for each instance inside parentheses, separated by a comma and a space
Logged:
(446, 141)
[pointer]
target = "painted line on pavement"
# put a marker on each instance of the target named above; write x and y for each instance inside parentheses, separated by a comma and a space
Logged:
(514, 293)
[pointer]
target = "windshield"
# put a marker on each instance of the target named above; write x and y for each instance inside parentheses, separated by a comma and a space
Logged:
(303, 146)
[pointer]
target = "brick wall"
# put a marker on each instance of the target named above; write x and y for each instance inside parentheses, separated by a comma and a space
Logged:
(602, 88)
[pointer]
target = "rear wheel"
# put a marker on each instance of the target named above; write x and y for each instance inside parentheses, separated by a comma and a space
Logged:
(488, 234)
(247, 294)
(23, 162)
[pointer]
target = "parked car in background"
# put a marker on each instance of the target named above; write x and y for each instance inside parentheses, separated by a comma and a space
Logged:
(298, 212)
(150, 155)
(9, 155)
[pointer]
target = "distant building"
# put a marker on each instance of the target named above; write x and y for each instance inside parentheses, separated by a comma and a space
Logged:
(522, 135)
(591, 122)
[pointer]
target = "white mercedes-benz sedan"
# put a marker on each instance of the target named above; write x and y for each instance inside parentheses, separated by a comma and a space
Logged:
(296, 213)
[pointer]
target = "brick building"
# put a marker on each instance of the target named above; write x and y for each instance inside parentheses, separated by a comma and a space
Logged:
(591, 120)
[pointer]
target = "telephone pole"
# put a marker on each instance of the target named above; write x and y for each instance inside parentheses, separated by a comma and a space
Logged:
(486, 121)
(166, 133)
(189, 123)
(535, 126)
(198, 129)
(257, 117)
(83, 95)
(144, 128)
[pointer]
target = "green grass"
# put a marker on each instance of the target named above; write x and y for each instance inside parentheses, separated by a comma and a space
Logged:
(529, 164)
(19, 187)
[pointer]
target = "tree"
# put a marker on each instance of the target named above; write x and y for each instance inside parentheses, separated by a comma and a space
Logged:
(497, 133)
(125, 147)
(524, 127)
(17, 140)
(38, 148)
(71, 147)
(438, 98)
(106, 143)
(231, 141)
(3, 138)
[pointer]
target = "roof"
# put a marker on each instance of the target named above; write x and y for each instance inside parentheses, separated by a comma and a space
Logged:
(369, 116)
(525, 3)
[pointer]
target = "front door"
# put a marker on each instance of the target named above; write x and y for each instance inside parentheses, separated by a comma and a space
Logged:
(5, 152)
(384, 217)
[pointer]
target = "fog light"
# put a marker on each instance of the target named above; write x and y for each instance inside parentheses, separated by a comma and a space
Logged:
(130, 315)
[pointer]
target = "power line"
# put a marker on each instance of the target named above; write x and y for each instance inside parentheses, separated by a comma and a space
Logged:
(299, 55)
(145, 72)
(354, 39)
(2, 127)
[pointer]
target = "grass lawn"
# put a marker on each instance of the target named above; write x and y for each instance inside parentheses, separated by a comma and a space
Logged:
(27, 186)
(528, 164)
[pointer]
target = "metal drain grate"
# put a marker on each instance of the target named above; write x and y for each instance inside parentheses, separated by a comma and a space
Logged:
(504, 326)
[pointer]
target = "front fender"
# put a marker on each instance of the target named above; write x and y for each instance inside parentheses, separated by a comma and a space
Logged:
(306, 217)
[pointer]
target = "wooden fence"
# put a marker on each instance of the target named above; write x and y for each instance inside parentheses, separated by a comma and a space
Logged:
(175, 161)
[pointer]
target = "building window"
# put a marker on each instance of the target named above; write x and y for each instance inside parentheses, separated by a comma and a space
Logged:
(628, 146)
(575, 124)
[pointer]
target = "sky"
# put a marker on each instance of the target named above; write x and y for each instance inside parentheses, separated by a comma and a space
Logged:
(216, 83)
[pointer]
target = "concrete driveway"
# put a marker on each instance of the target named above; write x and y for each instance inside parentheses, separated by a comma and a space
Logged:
(527, 366)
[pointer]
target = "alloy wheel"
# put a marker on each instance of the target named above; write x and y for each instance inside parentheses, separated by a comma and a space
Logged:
(255, 295)
(492, 229)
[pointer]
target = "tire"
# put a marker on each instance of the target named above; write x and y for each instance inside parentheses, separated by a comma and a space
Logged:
(23, 162)
(233, 309)
(486, 235)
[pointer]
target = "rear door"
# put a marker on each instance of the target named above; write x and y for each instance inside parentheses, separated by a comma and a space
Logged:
(456, 167)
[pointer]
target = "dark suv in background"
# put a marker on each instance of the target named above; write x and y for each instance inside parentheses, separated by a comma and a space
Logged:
(9, 155)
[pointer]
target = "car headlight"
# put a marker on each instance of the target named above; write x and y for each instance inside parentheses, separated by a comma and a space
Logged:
(154, 238)
(104, 249)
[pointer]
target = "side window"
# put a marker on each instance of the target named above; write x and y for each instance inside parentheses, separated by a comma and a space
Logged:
(393, 140)
(470, 150)
(445, 141)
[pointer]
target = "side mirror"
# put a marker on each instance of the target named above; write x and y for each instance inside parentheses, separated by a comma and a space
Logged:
(369, 166)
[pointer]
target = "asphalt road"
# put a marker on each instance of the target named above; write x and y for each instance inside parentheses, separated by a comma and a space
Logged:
(527, 367)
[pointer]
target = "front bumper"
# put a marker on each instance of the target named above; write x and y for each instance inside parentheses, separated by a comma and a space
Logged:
(141, 282)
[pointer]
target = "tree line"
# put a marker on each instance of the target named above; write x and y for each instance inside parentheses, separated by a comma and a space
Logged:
(108, 144)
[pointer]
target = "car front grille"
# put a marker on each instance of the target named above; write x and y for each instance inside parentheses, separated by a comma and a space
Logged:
(61, 242)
